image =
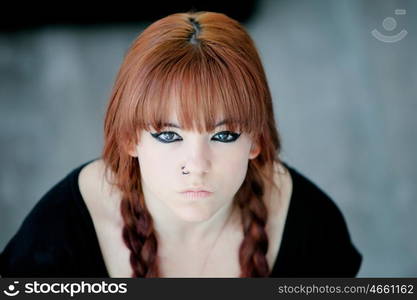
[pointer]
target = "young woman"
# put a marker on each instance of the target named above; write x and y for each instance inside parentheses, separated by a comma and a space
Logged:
(190, 183)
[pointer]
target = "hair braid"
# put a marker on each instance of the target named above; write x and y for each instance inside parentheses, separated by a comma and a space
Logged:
(253, 249)
(138, 232)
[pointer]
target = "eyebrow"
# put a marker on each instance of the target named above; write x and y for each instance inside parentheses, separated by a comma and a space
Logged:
(179, 127)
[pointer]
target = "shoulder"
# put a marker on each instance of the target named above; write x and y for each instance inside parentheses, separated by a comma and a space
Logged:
(324, 238)
(310, 201)
(43, 243)
(101, 198)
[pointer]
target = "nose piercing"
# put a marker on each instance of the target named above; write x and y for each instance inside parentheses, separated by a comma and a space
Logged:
(184, 173)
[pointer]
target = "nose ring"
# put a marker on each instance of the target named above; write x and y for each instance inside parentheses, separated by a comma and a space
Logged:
(184, 173)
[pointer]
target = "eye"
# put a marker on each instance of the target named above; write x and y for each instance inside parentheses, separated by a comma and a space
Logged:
(223, 136)
(227, 136)
(165, 136)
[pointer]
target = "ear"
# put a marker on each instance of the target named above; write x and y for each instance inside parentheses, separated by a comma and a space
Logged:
(131, 150)
(133, 153)
(130, 147)
(254, 151)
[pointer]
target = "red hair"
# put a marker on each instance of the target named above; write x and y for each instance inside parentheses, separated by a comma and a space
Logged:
(210, 63)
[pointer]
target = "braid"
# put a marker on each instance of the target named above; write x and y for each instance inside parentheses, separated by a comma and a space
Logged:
(253, 249)
(138, 232)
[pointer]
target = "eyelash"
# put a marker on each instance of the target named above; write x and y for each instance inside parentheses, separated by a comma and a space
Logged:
(234, 136)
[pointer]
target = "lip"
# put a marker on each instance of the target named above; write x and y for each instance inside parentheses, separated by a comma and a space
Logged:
(196, 194)
(197, 189)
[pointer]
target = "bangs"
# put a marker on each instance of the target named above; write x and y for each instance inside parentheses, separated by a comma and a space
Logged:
(205, 89)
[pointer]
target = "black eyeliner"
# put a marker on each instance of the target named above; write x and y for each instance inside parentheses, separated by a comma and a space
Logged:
(234, 135)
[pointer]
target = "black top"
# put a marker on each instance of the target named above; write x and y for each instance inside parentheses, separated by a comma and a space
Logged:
(58, 238)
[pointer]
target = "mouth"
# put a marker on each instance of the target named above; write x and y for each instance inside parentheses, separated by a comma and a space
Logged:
(196, 194)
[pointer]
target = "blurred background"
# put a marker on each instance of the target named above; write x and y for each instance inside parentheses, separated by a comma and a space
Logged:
(343, 75)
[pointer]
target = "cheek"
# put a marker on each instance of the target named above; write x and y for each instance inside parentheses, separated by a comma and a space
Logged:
(155, 166)
(232, 168)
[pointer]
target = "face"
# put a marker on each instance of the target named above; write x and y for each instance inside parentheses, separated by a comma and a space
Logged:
(216, 162)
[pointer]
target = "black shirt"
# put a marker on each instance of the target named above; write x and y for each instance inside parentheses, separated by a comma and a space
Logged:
(58, 238)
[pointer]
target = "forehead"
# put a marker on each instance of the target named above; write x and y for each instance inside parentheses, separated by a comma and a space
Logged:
(190, 109)
(181, 115)
(177, 112)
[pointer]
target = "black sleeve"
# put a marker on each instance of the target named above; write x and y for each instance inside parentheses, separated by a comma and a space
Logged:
(40, 246)
(334, 254)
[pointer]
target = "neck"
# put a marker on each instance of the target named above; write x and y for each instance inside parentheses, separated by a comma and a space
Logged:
(174, 230)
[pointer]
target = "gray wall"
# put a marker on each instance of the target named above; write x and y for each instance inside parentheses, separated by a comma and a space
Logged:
(344, 102)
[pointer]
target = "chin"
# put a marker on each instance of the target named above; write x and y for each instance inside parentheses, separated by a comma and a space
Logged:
(193, 214)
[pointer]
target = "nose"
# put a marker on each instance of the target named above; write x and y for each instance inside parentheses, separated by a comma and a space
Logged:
(198, 157)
